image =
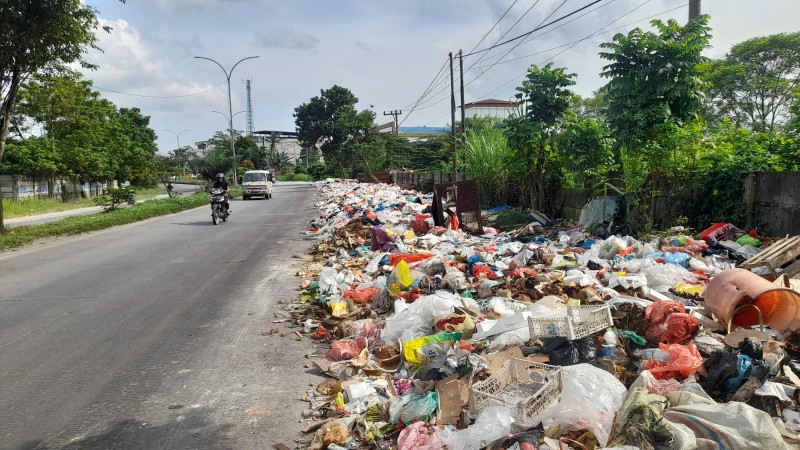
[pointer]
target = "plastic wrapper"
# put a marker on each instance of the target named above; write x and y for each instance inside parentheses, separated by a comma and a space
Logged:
(653, 385)
(455, 280)
(339, 309)
(409, 258)
(460, 323)
(589, 402)
(492, 424)
(506, 307)
(683, 360)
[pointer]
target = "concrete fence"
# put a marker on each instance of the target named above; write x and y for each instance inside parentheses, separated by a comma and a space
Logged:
(773, 202)
(20, 187)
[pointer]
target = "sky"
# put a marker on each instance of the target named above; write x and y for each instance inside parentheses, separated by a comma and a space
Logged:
(386, 52)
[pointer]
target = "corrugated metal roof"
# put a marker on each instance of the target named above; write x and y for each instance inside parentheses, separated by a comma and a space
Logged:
(424, 130)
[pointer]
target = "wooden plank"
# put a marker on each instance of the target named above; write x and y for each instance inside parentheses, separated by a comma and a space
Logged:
(784, 250)
(792, 269)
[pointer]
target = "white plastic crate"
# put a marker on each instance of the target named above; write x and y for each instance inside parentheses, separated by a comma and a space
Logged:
(524, 386)
(578, 322)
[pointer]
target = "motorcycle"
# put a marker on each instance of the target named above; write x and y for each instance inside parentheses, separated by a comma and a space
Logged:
(218, 209)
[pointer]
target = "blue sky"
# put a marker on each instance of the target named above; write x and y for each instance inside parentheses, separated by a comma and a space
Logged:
(386, 52)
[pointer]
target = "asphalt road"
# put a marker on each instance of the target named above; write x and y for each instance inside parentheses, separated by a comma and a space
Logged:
(157, 335)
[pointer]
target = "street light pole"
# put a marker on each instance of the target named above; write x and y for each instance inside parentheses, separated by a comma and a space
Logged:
(230, 106)
(178, 139)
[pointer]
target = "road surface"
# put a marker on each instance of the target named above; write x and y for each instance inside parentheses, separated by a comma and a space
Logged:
(157, 335)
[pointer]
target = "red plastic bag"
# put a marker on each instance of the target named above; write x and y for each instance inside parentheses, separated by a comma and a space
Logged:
(484, 270)
(410, 296)
(677, 328)
(683, 361)
(361, 296)
(658, 311)
(520, 271)
(420, 225)
(394, 259)
(345, 349)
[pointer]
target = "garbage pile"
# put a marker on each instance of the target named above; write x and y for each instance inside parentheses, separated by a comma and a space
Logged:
(539, 338)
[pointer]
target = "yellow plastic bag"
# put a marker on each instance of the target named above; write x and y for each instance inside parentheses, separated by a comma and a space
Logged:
(412, 349)
(400, 279)
(339, 309)
(689, 289)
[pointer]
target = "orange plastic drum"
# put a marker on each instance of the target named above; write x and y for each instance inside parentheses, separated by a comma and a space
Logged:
(731, 289)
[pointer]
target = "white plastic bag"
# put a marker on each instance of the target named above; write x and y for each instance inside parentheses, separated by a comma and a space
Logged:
(589, 401)
(493, 423)
(418, 318)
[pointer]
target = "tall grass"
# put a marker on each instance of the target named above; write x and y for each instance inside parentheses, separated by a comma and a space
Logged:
(488, 160)
(32, 207)
(295, 177)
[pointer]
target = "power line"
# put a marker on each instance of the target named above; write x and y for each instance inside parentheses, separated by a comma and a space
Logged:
(537, 28)
(519, 43)
(415, 104)
(503, 35)
(495, 24)
(530, 38)
(596, 33)
(157, 96)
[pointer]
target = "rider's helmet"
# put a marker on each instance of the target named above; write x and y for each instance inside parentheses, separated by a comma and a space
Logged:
(220, 175)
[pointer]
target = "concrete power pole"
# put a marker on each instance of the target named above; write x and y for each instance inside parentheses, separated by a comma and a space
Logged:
(463, 113)
(395, 114)
(453, 118)
(694, 9)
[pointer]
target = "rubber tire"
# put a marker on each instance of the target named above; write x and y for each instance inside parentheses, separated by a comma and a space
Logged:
(215, 215)
(245, 197)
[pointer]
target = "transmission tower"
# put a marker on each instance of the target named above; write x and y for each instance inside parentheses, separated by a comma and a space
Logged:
(249, 109)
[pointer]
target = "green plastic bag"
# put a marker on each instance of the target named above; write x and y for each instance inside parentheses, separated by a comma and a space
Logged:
(748, 240)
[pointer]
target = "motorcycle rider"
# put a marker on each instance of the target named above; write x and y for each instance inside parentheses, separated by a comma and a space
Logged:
(222, 184)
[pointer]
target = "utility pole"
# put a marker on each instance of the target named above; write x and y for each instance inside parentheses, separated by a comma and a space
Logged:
(453, 118)
(463, 113)
(394, 113)
(694, 9)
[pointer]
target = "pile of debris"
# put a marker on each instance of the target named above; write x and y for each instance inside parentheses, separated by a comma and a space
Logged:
(543, 339)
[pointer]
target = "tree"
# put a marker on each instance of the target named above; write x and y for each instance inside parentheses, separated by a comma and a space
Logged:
(309, 155)
(544, 99)
(655, 87)
(136, 162)
(586, 148)
(755, 82)
(279, 161)
(39, 36)
(217, 160)
(332, 121)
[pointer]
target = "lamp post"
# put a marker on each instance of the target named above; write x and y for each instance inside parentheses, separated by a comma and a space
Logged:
(178, 139)
(230, 106)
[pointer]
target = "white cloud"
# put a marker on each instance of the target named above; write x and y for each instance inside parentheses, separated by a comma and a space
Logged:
(286, 40)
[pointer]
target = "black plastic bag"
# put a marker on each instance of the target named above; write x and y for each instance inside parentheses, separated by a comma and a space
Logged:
(720, 367)
(563, 352)
(751, 348)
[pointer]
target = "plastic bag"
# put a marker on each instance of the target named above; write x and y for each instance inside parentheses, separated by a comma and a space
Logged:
(338, 309)
(345, 349)
(493, 423)
(653, 385)
(337, 433)
(412, 350)
(455, 280)
(720, 367)
(418, 436)
(676, 329)
(563, 352)
(412, 408)
(506, 307)
(658, 311)
(395, 258)
(460, 323)
(483, 270)
(683, 361)
(327, 280)
(589, 401)
(400, 279)
(418, 318)
(361, 296)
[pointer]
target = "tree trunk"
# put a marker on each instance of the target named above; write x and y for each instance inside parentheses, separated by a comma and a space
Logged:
(5, 110)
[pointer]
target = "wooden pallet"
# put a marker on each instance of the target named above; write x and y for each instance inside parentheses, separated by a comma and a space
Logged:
(780, 258)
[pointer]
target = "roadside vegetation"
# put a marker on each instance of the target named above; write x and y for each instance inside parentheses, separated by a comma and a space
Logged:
(19, 236)
(32, 207)
(295, 177)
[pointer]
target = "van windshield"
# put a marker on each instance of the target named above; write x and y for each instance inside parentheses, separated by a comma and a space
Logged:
(254, 177)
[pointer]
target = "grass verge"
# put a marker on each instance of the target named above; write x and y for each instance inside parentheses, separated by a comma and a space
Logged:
(13, 209)
(295, 177)
(19, 236)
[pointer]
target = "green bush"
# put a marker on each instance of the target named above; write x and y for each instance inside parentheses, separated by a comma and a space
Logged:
(295, 177)
(16, 237)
